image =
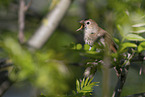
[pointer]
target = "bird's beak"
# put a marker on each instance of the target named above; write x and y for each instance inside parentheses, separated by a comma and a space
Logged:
(82, 25)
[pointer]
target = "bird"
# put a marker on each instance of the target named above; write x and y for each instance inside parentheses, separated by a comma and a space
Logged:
(93, 33)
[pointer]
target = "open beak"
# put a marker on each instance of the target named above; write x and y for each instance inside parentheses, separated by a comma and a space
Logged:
(82, 25)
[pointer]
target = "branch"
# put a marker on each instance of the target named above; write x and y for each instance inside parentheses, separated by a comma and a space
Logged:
(120, 83)
(5, 83)
(22, 10)
(21, 21)
(28, 5)
(122, 77)
(49, 24)
(4, 86)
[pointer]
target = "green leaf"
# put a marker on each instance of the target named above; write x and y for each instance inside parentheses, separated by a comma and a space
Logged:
(90, 80)
(82, 83)
(116, 40)
(77, 85)
(42, 95)
(127, 44)
(86, 86)
(141, 47)
(138, 30)
(79, 46)
(86, 47)
(86, 81)
(120, 29)
(139, 25)
(134, 37)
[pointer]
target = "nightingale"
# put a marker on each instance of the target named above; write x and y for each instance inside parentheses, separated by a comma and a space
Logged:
(93, 33)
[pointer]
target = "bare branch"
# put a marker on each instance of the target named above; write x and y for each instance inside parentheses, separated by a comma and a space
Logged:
(5, 83)
(4, 86)
(123, 75)
(28, 5)
(120, 83)
(49, 24)
(22, 10)
(21, 21)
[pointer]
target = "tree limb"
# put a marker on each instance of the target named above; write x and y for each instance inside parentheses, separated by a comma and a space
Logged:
(22, 9)
(5, 83)
(49, 24)
(123, 75)
(21, 21)
(120, 83)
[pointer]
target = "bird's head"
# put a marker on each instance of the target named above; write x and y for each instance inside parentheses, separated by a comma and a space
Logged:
(87, 24)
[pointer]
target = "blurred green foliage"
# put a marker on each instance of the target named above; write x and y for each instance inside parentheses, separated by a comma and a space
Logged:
(5, 3)
(40, 68)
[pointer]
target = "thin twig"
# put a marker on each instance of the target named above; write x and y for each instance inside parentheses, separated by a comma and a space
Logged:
(22, 10)
(28, 5)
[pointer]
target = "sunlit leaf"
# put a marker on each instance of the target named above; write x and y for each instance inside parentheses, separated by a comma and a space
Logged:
(134, 37)
(124, 30)
(86, 47)
(79, 46)
(77, 85)
(90, 80)
(138, 30)
(86, 86)
(127, 44)
(141, 47)
(116, 40)
(82, 83)
(86, 82)
(139, 25)
(120, 29)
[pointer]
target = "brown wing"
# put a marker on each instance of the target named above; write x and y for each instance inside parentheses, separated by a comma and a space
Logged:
(110, 42)
(108, 39)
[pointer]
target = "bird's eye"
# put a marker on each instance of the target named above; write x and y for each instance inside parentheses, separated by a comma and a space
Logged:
(92, 32)
(88, 23)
